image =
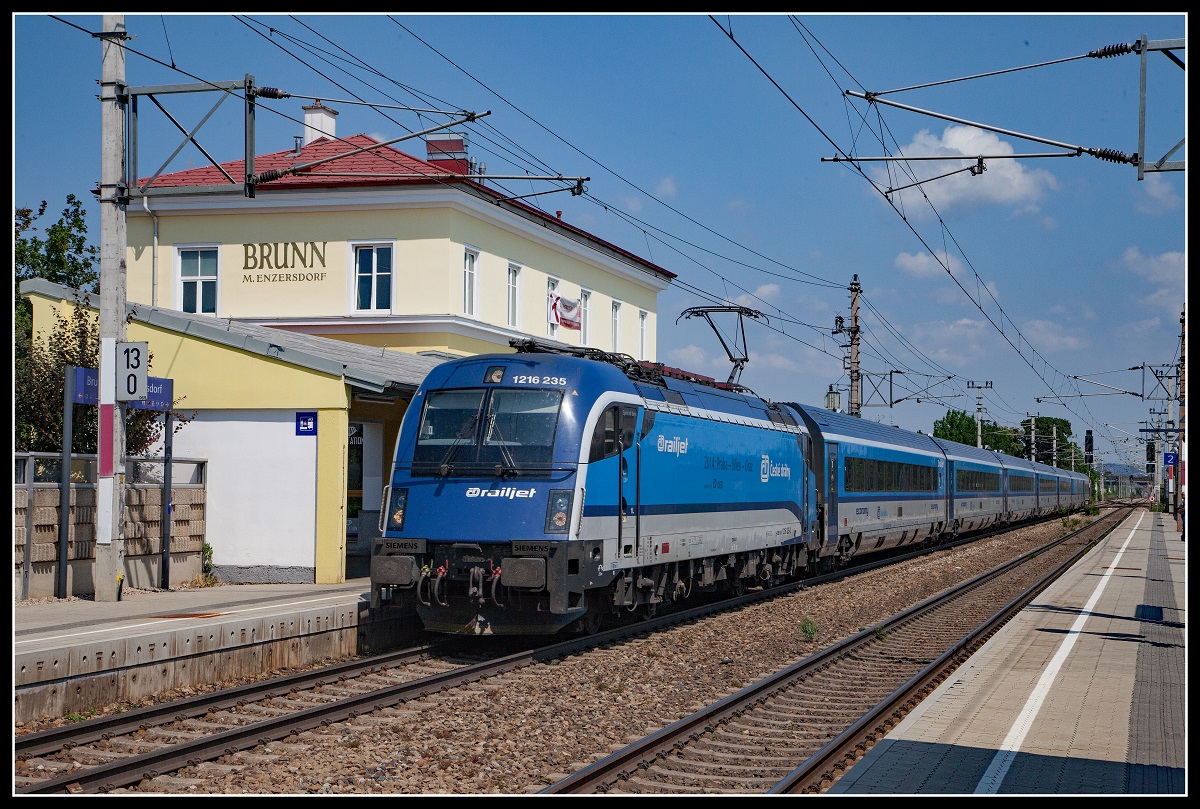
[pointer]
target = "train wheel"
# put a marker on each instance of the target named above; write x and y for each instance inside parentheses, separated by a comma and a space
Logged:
(592, 619)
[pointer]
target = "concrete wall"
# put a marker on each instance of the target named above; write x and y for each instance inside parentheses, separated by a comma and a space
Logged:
(37, 522)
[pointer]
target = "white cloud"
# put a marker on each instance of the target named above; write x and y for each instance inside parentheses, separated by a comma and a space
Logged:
(925, 265)
(948, 296)
(1004, 181)
(665, 188)
(1165, 268)
(1164, 274)
(956, 344)
(1156, 195)
(690, 357)
(773, 361)
(764, 294)
(1049, 336)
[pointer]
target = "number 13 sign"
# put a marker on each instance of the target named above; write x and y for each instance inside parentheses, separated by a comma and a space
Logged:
(133, 360)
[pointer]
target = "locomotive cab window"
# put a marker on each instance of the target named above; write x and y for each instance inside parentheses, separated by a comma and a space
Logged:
(482, 432)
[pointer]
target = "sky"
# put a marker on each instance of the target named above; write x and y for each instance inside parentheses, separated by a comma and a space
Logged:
(740, 153)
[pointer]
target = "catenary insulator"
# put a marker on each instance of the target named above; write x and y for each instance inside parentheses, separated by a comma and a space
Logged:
(1111, 50)
(271, 92)
(1115, 156)
(268, 175)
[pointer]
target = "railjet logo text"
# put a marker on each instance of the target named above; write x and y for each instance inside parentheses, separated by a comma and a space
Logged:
(676, 445)
(770, 470)
(508, 492)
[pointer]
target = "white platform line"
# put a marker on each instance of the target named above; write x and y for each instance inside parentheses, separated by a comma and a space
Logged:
(990, 783)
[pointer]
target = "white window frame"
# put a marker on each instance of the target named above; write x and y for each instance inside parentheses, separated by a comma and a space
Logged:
(585, 299)
(551, 287)
(615, 322)
(354, 247)
(180, 249)
(643, 319)
(472, 259)
(513, 295)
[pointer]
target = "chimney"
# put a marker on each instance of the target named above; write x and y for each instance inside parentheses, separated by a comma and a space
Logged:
(448, 151)
(318, 122)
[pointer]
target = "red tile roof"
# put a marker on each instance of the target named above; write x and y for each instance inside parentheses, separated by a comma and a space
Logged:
(340, 172)
(357, 169)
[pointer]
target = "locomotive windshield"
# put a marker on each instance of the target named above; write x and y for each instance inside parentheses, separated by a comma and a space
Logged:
(487, 431)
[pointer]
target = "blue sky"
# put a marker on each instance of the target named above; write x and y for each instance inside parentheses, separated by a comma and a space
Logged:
(709, 154)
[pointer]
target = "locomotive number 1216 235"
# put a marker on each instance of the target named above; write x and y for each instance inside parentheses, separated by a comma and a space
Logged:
(524, 379)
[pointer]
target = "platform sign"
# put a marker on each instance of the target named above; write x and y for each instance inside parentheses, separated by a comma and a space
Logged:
(159, 392)
(306, 423)
(132, 367)
(1170, 459)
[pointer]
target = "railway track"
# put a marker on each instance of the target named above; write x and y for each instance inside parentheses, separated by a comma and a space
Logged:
(146, 745)
(799, 729)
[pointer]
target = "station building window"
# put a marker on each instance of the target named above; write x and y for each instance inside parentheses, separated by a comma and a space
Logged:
(616, 326)
(513, 297)
(198, 274)
(470, 279)
(551, 326)
(585, 300)
(373, 277)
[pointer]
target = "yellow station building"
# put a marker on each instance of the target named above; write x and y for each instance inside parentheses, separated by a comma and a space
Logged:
(363, 250)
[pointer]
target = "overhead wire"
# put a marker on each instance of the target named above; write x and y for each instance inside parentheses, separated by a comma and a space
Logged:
(975, 299)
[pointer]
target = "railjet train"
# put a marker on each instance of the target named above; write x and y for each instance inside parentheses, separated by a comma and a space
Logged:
(550, 489)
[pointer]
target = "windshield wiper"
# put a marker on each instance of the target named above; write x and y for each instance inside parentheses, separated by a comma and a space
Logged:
(505, 453)
(467, 428)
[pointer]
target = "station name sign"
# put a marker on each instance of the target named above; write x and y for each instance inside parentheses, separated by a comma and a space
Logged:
(283, 262)
(159, 392)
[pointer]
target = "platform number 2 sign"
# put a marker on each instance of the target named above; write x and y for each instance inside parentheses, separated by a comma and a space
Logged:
(133, 360)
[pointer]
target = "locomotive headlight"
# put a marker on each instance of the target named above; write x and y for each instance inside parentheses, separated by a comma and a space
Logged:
(558, 511)
(396, 509)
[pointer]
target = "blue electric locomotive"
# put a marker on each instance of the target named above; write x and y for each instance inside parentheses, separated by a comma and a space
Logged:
(544, 490)
(539, 489)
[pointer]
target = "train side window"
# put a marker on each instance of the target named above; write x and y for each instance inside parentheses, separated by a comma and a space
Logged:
(604, 437)
(628, 424)
(647, 423)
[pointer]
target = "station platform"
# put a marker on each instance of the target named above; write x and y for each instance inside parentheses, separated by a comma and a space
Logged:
(71, 655)
(1083, 693)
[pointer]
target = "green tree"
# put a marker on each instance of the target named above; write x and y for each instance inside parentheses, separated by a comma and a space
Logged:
(1052, 441)
(40, 380)
(64, 257)
(1003, 439)
(957, 425)
(960, 426)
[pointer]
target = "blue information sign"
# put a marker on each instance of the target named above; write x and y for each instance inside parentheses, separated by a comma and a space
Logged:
(1170, 459)
(160, 392)
(306, 423)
